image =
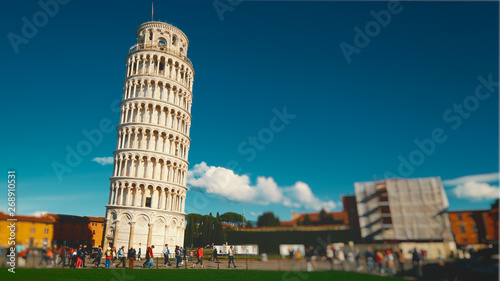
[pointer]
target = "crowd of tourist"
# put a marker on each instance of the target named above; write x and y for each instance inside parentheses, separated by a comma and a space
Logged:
(77, 256)
(386, 261)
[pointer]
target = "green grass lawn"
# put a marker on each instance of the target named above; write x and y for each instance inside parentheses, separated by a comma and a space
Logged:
(65, 274)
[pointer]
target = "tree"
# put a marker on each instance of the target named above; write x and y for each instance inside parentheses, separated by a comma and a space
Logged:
(220, 234)
(206, 229)
(268, 219)
(249, 224)
(324, 218)
(189, 234)
(213, 231)
(322, 214)
(307, 220)
(231, 218)
(206, 234)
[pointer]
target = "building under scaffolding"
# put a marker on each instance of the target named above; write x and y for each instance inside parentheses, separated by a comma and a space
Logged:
(405, 210)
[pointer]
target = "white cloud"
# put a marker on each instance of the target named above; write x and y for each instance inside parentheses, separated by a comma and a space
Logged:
(103, 160)
(227, 184)
(491, 177)
(38, 214)
(474, 190)
(300, 195)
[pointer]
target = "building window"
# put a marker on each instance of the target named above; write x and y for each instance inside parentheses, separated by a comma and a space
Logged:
(93, 232)
(462, 229)
(72, 230)
(46, 231)
(32, 230)
(148, 202)
(94, 224)
(60, 230)
(460, 217)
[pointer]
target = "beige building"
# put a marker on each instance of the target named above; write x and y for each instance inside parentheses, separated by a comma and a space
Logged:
(148, 186)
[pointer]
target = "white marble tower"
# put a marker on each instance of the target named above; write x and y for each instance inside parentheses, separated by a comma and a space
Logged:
(148, 187)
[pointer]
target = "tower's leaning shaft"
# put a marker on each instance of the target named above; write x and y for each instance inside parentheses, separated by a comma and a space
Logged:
(148, 186)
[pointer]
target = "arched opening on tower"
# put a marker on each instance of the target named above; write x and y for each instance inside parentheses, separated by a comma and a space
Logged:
(162, 43)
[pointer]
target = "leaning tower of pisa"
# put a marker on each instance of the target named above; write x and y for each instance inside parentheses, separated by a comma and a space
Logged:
(148, 186)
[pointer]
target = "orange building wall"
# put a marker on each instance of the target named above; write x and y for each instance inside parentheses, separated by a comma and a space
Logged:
(474, 227)
(97, 230)
(463, 226)
(30, 231)
(490, 227)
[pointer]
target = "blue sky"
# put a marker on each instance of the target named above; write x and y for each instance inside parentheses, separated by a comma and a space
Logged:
(352, 121)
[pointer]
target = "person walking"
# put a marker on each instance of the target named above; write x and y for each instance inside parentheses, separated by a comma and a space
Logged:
(398, 259)
(330, 255)
(50, 255)
(416, 262)
(369, 258)
(64, 256)
(131, 258)
(139, 252)
(341, 258)
(71, 255)
(79, 257)
(309, 258)
(357, 258)
(115, 256)
(199, 255)
(85, 252)
(389, 259)
(379, 256)
(121, 257)
(55, 256)
(44, 257)
(230, 254)
(151, 257)
(146, 259)
(166, 254)
(177, 256)
(215, 255)
(109, 257)
(97, 257)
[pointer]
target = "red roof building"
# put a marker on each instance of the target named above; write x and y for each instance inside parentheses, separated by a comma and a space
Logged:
(346, 219)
